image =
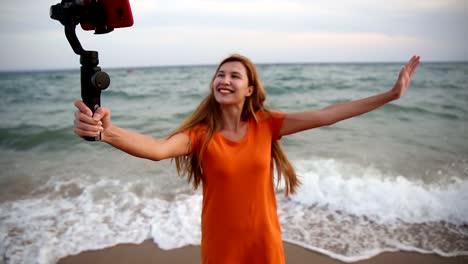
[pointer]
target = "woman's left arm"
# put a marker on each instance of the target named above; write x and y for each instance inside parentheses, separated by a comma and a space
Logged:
(300, 121)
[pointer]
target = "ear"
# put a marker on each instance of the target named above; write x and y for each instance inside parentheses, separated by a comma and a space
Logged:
(250, 90)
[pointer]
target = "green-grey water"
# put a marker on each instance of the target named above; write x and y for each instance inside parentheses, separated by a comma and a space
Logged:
(395, 178)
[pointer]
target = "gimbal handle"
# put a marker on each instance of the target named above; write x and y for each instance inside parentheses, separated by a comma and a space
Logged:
(93, 80)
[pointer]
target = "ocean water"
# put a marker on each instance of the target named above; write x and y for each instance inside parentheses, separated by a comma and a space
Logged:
(393, 179)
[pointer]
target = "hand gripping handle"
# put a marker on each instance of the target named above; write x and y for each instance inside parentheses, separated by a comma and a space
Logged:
(93, 81)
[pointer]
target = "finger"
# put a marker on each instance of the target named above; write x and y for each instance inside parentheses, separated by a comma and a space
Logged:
(409, 63)
(83, 133)
(87, 127)
(83, 108)
(85, 118)
(100, 113)
(413, 71)
(414, 62)
(414, 66)
(409, 67)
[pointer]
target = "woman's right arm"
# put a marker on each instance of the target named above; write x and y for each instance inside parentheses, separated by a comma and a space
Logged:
(142, 146)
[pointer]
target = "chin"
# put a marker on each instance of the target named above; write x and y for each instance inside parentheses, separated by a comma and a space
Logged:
(223, 102)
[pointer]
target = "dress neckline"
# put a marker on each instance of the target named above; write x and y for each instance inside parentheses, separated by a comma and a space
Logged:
(236, 142)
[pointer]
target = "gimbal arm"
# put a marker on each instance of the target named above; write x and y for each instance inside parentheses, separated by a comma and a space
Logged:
(93, 80)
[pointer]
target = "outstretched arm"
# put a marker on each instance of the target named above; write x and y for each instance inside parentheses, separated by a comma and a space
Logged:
(300, 121)
(142, 146)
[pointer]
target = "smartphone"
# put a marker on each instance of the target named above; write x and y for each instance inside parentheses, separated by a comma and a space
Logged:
(105, 15)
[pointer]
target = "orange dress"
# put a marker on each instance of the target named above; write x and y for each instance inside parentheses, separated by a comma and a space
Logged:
(239, 216)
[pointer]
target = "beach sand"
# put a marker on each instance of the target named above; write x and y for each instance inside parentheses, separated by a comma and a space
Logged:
(148, 252)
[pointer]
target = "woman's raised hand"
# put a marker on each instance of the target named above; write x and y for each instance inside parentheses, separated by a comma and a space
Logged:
(406, 74)
(88, 125)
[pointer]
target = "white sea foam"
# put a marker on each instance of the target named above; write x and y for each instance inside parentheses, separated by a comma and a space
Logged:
(179, 224)
(367, 191)
(342, 210)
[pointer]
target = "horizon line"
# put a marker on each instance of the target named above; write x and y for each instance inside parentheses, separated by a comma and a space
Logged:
(25, 70)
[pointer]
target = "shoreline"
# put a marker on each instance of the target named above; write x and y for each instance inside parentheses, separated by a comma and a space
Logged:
(149, 252)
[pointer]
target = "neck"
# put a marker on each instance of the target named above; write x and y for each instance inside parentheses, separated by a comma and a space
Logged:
(232, 118)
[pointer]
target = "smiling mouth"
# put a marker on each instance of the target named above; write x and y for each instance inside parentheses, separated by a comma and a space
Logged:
(225, 91)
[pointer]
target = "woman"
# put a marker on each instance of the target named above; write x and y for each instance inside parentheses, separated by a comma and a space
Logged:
(230, 144)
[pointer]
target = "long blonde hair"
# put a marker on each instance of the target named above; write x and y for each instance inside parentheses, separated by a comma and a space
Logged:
(208, 115)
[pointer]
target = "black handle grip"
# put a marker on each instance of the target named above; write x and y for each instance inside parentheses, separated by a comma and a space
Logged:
(93, 81)
(91, 97)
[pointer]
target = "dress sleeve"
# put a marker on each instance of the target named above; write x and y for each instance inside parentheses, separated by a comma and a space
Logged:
(195, 134)
(276, 121)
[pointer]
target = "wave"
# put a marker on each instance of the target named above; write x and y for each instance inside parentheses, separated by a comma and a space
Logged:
(419, 111)
(345, 216)
(127, 95)
(26, 137)
(367, 191)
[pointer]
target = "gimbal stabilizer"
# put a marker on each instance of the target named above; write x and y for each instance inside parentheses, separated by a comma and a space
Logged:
(70, 13)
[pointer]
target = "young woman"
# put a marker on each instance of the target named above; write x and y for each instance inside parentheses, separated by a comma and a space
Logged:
(230, 145)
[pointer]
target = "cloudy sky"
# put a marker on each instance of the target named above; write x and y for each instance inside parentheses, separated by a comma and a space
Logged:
(175, 32)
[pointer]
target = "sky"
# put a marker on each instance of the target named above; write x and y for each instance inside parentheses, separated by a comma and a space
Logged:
(193, 32)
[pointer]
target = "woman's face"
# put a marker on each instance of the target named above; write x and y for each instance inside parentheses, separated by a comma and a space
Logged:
(231, 84)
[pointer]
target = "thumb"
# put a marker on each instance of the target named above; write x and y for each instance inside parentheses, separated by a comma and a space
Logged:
(100, 113)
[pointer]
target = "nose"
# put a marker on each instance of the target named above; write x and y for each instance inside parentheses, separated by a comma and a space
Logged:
(225, 80)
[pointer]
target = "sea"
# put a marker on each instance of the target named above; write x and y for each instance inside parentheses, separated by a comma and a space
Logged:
(394, 179)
